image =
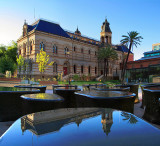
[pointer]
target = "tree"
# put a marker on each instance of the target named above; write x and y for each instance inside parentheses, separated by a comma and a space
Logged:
(6, 63)
(132, 39)
(12, 51)
(2, 50)
(20, 63)
(42, 59)
(106, 54)
(8, 57)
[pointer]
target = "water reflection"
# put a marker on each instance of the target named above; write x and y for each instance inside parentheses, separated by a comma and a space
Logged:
(130, 118)
(81, 126)
(53, 120)
(107, 121)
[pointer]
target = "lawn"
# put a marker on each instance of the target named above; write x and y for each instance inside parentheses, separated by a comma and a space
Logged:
(80, 83)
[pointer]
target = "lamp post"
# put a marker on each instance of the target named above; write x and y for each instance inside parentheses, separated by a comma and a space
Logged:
(67, 53)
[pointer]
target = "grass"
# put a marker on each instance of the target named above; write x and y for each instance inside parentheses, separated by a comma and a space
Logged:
(80, 83)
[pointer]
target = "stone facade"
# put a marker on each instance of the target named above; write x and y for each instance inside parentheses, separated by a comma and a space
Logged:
(72, 53)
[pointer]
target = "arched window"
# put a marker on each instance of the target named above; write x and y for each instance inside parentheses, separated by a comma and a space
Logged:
(74, 49)
(20, 51)
(30, 47)
(24, 48)
(82, 69)
(66, 50)
(82, 50)
(95, 70)
(89, 51)
(95, 53)
(42, 46)
(74, 69)
(54, 67)
(89, 70)
(30, 68)
(54, 49)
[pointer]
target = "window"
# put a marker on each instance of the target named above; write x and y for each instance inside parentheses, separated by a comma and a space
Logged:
(30, 66)
(95, 53)
(66, 50)
(24, 48)
(30, 47)
(82, 69)
(54, 49)
(55, 67)
(89, 70)
(89, 51)
(74, 68)
(95, 70)
(82, 50)
(20, 51)
(42, 46)
(74, 49)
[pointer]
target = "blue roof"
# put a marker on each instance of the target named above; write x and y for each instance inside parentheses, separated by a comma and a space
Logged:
(49, 27)
(152, 52)
(145, 58)
(122, 48)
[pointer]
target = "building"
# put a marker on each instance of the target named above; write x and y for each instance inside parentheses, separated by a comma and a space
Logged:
(148, 65)
(71, 52)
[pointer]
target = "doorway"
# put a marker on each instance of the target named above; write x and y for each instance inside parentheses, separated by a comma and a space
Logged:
(65, 70)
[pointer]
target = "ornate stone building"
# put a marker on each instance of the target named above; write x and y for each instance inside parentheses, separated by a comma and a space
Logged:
(72, 53)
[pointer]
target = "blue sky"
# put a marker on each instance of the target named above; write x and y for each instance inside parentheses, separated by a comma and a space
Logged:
(123, 15)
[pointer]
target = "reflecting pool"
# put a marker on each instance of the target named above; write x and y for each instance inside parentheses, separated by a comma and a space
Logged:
(80, 126)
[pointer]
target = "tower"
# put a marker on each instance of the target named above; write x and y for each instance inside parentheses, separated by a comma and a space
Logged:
(106, 34)
(77, 32)
(25, 28)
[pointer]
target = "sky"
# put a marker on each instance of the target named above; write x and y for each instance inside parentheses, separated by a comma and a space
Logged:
(124, 16)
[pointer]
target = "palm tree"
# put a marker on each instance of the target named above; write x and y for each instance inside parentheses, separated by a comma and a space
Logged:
(106, 54)
(132, 39)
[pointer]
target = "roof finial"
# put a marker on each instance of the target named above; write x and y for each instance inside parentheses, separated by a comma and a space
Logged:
(25, 22)
(106, 19)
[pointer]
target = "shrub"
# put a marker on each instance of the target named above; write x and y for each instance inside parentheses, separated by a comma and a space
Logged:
(76, 78)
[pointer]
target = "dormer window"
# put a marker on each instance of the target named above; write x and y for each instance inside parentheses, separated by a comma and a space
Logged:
(42, 46)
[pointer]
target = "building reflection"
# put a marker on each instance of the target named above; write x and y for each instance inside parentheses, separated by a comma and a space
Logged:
(52, 121)
(107, 121)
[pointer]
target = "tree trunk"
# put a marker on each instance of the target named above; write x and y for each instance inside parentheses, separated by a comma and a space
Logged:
(107, 69)
(122, 66)
(104, 69)
(125, 65)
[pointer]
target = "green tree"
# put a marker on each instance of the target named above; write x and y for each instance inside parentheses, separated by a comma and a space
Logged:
(12, 51)
(2, 50)
(107, 54)
(132, 39)
(6, 63)
(20, 63)
(42, 59)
